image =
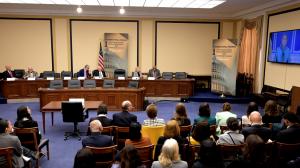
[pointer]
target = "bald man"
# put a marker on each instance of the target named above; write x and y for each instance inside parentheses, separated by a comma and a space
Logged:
(124, 118)
(96, 139)
(257, 127)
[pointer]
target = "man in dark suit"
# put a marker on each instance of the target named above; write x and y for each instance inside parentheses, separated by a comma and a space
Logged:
(102, 117)
(154, 72)
(257, 127)
(124, 118)
(85, 72)
(8, 73)
(291, 134)
(99, 72)
(96, 139)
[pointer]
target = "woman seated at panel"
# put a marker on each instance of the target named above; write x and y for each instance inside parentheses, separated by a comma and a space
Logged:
(153, 120)
(135, 137)
(204, 115)
(221, 117)
(232, 136)
(200, 133)
(24, 120)
(245, 118)
(180, 115)
(172, 130)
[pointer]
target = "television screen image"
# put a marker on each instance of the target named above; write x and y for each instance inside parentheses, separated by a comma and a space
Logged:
(284, 47)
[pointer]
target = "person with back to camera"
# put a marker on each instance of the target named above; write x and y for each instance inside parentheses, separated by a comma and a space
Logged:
(221, 117)
(204, 115)
(245, 118)
(153, 120)
(124, 118)
(232, 136)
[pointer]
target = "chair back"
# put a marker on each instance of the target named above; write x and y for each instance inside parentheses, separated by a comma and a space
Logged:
(48, 74)
(167, 75)
(28, 137)
(119, 73)
(104, 156)
(66, 74)
(72, 112)
(185, 130)
(19, 73)
(121, 134)
(231, 152)
(56, 84)
(146, 153)
(73, 84)
(89, 83)
(108, 83)
(180, 75)
(286, 152)
(153, 132)
(7, 154)
(133, 84)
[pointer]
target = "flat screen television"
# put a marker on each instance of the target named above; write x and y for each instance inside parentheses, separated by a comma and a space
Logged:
(284, 47)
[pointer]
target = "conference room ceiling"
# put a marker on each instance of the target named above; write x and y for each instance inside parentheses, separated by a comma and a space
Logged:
(231, 9)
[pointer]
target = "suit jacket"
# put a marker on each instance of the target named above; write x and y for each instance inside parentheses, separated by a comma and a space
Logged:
(81, 73)
(97, 140)
(263, 132)
(32, 74)
(7, 140)
(136, 74)
(154, 73)
(123, 119)
(6, 75)
(28, 124)
(290, 135)
(96, 73)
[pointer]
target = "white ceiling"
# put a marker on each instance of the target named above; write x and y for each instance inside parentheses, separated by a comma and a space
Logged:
(231, 9)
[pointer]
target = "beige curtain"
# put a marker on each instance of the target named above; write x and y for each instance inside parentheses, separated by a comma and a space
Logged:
(250, 47)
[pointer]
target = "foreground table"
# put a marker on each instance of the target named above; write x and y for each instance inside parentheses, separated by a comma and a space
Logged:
(55, 106)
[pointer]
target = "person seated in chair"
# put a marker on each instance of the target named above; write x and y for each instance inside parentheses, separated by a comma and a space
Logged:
(232, 136)
(135, 136)
(84, 72)
(96, 139)
(152, 117)
(154, 72)
(137, 73)
(124, 118)
(290, 135)
(99, 72)
(102, 117)
(8, 73)
(30, 73)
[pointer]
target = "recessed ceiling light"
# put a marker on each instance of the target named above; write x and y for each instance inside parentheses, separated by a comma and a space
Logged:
(79, 9)
(122, 11)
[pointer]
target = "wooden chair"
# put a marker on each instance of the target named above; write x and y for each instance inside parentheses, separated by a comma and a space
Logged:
(230, 152)
(104, 156)
(194, 149)
(7, 153)
(108, 130)
(146, 153)
(185, 130)
(285, 152)
(121, 134)
(28, 138)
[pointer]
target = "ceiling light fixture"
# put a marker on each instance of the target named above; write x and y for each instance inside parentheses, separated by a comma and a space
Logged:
(79, 9)
(122, 11)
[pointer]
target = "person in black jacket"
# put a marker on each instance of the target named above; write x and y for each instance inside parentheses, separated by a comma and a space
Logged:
(290, 135)
(124, 118)
(99, 72)
(102, 117)
(8, 73)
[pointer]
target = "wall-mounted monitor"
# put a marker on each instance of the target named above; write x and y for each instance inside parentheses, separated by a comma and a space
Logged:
(284, 47)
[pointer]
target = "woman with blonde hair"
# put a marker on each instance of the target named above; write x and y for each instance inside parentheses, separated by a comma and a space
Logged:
(169, 156)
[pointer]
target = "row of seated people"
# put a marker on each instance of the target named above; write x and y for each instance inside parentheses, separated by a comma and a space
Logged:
(85, 72)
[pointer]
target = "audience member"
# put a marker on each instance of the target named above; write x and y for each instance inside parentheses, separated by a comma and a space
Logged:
(204, 115)
(169, 156)
(135, 137)
(251, 107)
(271, 113)
(84, 159)
(102, 117)
(24, 120)
(129, 158)
(200, 133)
(152, 117)
(124, 118)
(181, 115)
(84, 72)
(208, 156)
(154, 72)
(96, 139)
(254, 154)
(221, 117)
(7, 140)
(292, 133)
(257, 127)
(99, 72)
(8, 73)
(172, 130)
(30, 73)
(232, 136)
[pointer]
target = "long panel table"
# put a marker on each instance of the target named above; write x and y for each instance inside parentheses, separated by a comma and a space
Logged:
(112, 97)
(22, 88)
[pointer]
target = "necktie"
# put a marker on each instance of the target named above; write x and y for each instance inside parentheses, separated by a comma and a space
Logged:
(10, 74)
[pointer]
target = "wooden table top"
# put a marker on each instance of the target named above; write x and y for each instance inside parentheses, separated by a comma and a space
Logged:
(56, 105)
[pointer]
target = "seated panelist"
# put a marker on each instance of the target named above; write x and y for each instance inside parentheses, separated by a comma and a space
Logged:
(30, 73)
(154, 72)
(8, 73)
(84, 72)
(137, 73)
(99, 72)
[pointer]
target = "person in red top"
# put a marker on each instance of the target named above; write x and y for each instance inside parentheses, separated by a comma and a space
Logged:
(135, 137)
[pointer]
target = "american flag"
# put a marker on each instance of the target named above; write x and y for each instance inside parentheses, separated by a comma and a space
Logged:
(101, 58)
